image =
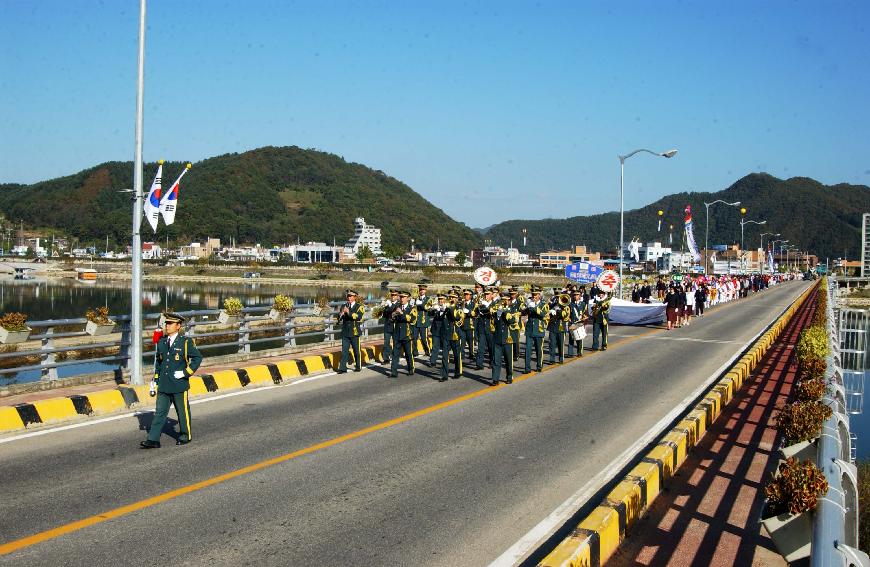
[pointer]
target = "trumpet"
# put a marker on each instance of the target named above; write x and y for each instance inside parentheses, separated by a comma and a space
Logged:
(564, 300)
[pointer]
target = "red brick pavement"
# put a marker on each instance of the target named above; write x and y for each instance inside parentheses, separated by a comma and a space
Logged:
(709, 514)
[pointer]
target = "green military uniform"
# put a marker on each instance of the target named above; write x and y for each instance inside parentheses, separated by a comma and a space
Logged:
(350, 316)
(600, 311)
(483, 325)
(404, 317)
(559, 316)
(578, 316)
(420, 329)
(174, 364)
(517, 325)
(466, 332)
(387, 315)
(537, 312)
(500, 322)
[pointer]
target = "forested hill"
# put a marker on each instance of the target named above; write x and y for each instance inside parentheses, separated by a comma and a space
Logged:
(825, 219)
(269, 195)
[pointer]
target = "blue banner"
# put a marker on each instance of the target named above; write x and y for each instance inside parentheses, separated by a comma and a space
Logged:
(583, 272)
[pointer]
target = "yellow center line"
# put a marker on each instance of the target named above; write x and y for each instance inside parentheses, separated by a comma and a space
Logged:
(166, 496)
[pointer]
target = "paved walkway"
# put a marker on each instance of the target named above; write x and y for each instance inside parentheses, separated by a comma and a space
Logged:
(710, 513)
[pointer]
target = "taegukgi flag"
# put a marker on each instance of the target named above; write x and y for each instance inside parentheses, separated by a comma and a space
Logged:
(152, 203)
(169, 202)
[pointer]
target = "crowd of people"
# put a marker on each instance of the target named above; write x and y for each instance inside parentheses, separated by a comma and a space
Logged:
(483, 326)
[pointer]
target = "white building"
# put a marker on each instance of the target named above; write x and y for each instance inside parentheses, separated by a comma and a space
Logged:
(865, 245)
(364, 235)
(313, 252)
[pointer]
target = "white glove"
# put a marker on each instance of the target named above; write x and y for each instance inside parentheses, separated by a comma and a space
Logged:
(530, 304)
(179, 374)
(419, 302)
(152, 388)
(552, 311)
(465, 311)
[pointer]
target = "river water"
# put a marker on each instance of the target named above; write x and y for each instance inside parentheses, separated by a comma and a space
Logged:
(43, 299)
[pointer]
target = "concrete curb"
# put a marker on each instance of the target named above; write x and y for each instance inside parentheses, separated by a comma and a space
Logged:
(599, 534)
(54, 410)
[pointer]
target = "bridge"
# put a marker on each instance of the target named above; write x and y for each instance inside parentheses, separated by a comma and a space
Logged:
(361, 468)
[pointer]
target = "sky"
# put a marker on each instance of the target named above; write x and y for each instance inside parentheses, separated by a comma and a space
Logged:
(490, 110)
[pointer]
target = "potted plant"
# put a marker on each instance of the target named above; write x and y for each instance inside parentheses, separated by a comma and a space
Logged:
(13, 328)
(231, 311)
(98, 322)
(811, 390)
(791, 496)
(802, 421)
(281, 306)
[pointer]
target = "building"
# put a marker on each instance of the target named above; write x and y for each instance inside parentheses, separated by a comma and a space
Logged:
(865, 245)
(364, 235)
(196, 250)
(151, 251)
(313, 252)
(561, 258)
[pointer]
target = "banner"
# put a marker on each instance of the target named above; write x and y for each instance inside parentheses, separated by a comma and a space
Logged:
(169, 203)
(690, 236)
(152, 203)
(583, 272)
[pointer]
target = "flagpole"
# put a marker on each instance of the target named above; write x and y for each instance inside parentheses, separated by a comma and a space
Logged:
(136, 287)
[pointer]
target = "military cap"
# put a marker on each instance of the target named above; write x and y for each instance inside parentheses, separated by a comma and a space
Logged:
(404, 294)
(506, 293)
(513, 290)
(468, 291)
(350, 292)
(170, 317)
(422, 286)
(441, 296)
(536, 289)
(394, 292)
(453, 295)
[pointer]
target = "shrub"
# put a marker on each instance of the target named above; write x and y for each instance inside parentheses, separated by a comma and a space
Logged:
(802, 421)
(233, 306)
(796, 488)
(99, 316)
(14, 321)
(811, 390)
(813, 343)
(812, 369)
(282, 303)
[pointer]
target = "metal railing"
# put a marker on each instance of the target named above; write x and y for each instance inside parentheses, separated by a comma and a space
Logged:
(835, 519)
(307, 323)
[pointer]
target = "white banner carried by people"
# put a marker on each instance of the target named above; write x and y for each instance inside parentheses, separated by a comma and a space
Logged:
(169, 202)
(152, 202)
(690, 235)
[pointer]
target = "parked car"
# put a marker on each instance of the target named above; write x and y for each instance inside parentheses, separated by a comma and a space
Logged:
(346, 269)
(387, 269)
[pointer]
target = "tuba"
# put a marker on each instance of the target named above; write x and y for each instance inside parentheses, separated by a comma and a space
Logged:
(564, 299)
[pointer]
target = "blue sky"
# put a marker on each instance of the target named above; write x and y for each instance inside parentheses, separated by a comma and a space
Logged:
(491, 110)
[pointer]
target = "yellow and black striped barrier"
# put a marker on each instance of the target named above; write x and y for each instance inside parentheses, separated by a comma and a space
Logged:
(598, 535)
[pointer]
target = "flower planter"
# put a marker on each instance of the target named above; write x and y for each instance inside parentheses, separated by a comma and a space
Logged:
(276, 315)
(98, 330)
(791, 534)
(8, 337)
(226, 319)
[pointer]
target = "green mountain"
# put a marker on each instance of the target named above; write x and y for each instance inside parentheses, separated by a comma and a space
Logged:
(824, 219)
(269, 195)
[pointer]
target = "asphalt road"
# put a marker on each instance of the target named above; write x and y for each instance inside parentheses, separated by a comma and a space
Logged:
(457, 485)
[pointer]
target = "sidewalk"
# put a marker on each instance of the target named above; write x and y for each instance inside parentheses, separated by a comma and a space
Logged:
(710, 512)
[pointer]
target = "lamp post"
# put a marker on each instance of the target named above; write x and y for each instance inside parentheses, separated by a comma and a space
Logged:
(761, 246)
(707, 229)
(667, 154)
(781, 242)
(744, 223)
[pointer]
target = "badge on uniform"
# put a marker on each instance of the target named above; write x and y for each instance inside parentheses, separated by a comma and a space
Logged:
(176, 356)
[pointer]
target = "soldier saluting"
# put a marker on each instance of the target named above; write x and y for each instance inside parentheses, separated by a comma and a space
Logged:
(176, 359)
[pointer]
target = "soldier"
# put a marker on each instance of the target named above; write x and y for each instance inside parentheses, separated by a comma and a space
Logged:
(455, 321)
(560, 314)
(404, 317)
(517, 326)
(175, 361)
(421, 327)
(350, 315)
(600, 309)
(502, 342)
(537, 312)
(440, 339)
(466, 332)
(387, 314)
(484, 330)
(578, 317)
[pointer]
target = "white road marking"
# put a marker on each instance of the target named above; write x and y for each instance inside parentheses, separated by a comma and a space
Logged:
(516, 553)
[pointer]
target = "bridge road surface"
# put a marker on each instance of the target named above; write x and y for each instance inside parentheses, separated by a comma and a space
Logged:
(456, 486)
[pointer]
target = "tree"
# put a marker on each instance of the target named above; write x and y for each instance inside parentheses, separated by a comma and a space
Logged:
(364, 253)
(461, 258)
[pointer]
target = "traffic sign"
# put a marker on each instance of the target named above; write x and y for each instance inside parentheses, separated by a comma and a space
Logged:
(608, 280)
(677, 277)
(583, 272)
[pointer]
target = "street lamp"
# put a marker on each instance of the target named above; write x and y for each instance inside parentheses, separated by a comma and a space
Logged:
(761, 246)
(667, 154)
(781, 242)
(744, 223)
(707, 229)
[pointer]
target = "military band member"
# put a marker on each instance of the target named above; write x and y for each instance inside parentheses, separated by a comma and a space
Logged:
(466, 332)
(500, 324)
(560, 314)
(455, 319)
(483, 326)
(600, 310)
(517, 326)
(404, 318)
(537, 312)
(175, 360)
(423, 303)
(578, 309)
(387, 314)
(350, 315)
(438, 322)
